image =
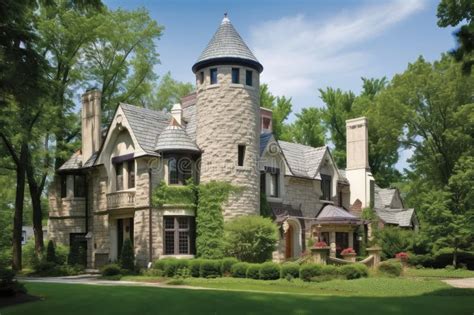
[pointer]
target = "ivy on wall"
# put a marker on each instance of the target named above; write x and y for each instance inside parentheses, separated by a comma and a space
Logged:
(265, 210)
(207, 199)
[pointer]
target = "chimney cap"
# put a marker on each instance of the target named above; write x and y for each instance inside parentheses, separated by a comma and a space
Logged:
(92, 88)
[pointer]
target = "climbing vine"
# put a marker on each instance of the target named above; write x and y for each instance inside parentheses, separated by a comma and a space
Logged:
(175, 195)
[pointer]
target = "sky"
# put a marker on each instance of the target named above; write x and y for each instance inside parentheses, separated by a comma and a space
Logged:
(304, 45)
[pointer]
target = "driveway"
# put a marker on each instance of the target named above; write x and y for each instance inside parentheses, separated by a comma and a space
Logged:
(467, 283)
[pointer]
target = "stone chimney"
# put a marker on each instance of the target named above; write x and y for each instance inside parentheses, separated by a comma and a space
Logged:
(177, 113)
(266, 120)
(357, 165)
(91, 123)
(357, 144)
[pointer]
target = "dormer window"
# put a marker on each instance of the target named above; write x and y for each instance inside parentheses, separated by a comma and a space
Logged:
(326, 187)
(235, 75)
(213, 75)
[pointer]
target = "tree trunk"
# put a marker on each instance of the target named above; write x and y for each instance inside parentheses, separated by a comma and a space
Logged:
(455, 257)
(35, 194)
(18, 217)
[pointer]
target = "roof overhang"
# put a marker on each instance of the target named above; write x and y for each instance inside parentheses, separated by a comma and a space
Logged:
(227, 61)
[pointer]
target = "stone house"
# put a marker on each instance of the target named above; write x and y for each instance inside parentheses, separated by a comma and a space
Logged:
(101, 195)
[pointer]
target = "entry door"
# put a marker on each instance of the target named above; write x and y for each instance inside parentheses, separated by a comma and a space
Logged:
(124, 232)
(289, 242)
(342, 241)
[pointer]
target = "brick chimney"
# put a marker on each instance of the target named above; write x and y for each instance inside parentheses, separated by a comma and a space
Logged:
(266, 118)
(91, 123)
(177, 113)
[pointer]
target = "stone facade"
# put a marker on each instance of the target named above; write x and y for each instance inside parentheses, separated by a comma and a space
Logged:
(228, 116)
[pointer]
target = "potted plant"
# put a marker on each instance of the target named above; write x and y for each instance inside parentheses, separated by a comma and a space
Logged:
(349, 254)
(402, 257)
(320, 244)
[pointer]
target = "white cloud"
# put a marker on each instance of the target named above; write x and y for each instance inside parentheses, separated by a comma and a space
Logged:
(297, 51)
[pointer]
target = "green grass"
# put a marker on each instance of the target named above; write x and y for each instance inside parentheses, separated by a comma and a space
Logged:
(89, 299)
(439, 273)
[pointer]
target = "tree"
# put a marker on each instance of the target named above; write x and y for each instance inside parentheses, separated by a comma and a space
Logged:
(169, 92)
(127, 257)
(51, 252)
(307, 128)
(280, 106)
(121, 59)
(451, 13)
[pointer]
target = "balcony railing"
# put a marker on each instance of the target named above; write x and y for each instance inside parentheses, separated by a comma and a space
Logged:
(121, 199)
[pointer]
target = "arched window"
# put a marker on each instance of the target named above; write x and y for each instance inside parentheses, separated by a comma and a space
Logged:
(179, 170)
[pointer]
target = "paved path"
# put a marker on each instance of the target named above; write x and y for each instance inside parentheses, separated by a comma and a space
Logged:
(467, 283)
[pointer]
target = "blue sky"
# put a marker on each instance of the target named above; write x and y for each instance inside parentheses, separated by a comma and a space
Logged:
(304, 45)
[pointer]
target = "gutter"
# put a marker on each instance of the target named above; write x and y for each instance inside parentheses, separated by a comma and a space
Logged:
(150, 234)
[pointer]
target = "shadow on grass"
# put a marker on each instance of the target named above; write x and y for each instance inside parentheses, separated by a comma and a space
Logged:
(82, 299)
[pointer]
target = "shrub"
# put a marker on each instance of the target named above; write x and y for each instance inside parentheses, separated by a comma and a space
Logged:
(195, 267)
(394, 240)
(127, 257)
(391, 268)
(253, 271)
(402, 256)
(290, 268)
(210, 269)
(309, 271)
(110, 270)
(354, 271)
(250, 238)
(239, 270)
(51, 252)
(8, 285)
(270, 271)
(330, 270)
(61, 254)
(152, 272)
(227, 264)
(168, 265)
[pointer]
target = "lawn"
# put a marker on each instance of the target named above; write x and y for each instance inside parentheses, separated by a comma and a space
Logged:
(368, 296)
(439, 273)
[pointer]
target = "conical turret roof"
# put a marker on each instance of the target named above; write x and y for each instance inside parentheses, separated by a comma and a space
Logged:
(175, 138)
(226, 46)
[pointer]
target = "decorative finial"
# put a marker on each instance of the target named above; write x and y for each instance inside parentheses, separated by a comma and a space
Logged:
(225, 20)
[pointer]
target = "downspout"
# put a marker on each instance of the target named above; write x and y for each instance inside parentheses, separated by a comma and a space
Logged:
(150, 241)
(87, 203)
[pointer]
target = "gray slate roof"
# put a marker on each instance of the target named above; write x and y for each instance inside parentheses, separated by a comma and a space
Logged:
(383, 197)
(336, 214)
(74, 162)
(174, 138)
(227, 43)
(146, 125)
(401, 217)
(303, 160)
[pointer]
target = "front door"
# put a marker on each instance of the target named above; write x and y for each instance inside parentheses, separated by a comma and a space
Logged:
(289, 242)
(124, 232)
(342, 241)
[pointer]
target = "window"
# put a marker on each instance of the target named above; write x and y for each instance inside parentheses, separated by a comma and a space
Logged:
(241, 154)
(79, 186)
(248, 77)
(213, 73)
(63, 186)
(131, 173)
(266, 123)
(179, 235)
(275, 182)
(235, 75)
(119, 176)
(326, 187)
(179, 170)
(201, 77)
(263, 183)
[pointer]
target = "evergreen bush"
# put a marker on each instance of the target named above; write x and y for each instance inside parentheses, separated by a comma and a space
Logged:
(227, 264)
(253, 271)
(51, 253)
(290, 268)
(210, 268)
(354, 271)
(391, 268)
(308, 271)
(270, 271)
(110, 270)
(127, 257)
(195, 267)
(239, 270)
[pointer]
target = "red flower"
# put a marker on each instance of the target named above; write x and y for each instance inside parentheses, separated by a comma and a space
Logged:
(401, 256)
(346, 251)
(320, 244)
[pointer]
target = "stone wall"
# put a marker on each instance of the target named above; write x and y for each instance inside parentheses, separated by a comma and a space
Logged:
(228, 116)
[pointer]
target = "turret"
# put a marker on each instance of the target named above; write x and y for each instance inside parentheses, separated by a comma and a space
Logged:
(228, 115)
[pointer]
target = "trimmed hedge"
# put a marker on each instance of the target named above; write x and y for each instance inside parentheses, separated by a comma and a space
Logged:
(253, 271)
(292, 269)
(443, 258)
(391, 268)
(354, 271)
(239, 270)
(111, 270)
(170, 265)
(210, 268)
(309, 271)
(195, 267)
(227, 264)
(269, 271)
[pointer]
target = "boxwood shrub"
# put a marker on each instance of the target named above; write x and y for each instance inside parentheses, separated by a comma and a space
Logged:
(227, 264)
(290, 268)
(354, 271)
(195, 267)
(210, 268)
(239, 270)
(308, 271)
(110, 270)
(170, 265)
(269, 271)
(253, 271)
(391, 268)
